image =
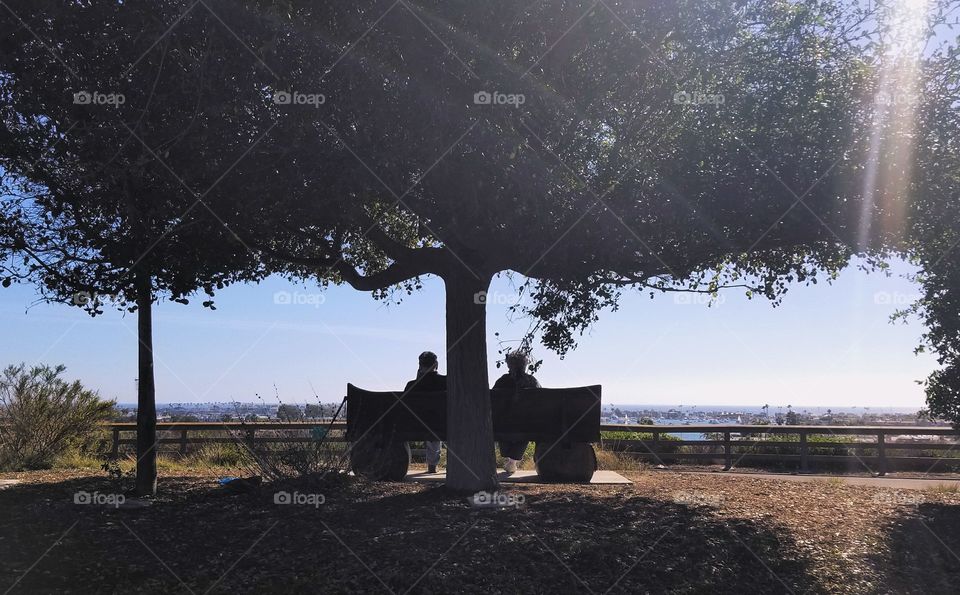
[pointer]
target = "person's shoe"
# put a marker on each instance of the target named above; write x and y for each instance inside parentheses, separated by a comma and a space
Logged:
(431, 469)
(510, 466)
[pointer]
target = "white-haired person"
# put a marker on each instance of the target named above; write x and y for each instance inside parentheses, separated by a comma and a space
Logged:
(516, 378)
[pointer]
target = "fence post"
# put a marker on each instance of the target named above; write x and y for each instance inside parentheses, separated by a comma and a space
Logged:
(251, 437)
(183, 442)
(727, 452)
(115, 449)
(804, 466)
(656, 445)
(882, 452)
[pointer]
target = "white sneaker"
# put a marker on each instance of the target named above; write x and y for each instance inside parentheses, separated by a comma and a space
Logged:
(510, 466)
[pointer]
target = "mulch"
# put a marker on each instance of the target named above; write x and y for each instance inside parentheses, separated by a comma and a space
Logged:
(665, 533)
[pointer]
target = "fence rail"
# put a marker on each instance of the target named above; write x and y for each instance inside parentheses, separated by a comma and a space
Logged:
(251, 433)
(730, 445)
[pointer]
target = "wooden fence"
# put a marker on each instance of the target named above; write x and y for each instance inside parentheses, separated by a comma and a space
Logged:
(874, 448)
(186, 434)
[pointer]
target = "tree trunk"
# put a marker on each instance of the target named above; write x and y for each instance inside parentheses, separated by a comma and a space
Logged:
(146, 392)
(471, 461)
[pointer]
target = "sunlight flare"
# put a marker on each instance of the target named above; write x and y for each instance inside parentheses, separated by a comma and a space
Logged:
(888, 174)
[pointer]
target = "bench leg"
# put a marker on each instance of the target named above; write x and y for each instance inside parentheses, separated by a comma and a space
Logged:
(387, 462)
(574, 462)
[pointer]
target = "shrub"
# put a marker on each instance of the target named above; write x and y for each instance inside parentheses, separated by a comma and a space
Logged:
(42, 416)
(619, 440)
(316, 459)
(623, 445)
(791, 443)
(232, 456)
(618, 461)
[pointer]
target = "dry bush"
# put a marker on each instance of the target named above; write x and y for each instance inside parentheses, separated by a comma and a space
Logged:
(314, 459)
(611, 460)
(42, 416)
(215, 455)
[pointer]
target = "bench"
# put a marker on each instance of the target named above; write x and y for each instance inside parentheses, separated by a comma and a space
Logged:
(562, 421)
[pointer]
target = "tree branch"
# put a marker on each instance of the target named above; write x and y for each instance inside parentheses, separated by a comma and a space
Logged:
(414, 263)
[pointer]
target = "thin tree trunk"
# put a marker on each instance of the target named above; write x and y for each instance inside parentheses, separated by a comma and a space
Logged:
(146, 392)
(471, 461)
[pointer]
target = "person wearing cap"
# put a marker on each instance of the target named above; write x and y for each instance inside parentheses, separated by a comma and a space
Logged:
(515, 379)
(429, 380)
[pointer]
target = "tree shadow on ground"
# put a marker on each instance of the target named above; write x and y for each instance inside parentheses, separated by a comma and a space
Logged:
(390, 538)
(923, 554)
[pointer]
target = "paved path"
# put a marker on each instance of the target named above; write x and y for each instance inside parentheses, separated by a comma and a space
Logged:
(521, 476)
(612, 477)
(875, 482)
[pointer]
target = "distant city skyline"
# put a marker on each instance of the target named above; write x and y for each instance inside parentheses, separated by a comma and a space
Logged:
(606, 407)
(825, 346)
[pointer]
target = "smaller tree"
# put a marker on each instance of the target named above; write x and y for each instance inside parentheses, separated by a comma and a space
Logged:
(102, 203)
(793, 418)
(42, 415)
(289, 413)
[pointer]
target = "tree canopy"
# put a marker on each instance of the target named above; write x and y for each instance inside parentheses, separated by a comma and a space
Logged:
(88, 201)
(590, 147)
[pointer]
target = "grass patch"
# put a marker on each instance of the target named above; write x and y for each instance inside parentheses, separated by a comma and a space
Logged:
(944, 489)
(76, 459)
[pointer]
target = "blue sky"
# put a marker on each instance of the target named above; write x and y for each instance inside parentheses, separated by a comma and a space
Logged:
(827, 345)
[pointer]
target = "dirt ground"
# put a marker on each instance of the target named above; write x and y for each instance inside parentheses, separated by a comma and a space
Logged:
(665, 533)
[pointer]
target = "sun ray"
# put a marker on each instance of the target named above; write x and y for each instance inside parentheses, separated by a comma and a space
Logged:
(898, 93)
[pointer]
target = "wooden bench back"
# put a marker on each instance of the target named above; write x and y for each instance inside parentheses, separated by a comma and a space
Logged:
(539, 414)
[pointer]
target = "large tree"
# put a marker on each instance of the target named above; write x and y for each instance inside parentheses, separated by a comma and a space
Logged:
(588, 146)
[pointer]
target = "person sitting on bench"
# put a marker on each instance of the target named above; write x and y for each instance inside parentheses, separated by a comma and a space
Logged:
(516, 378)
(429, 380)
